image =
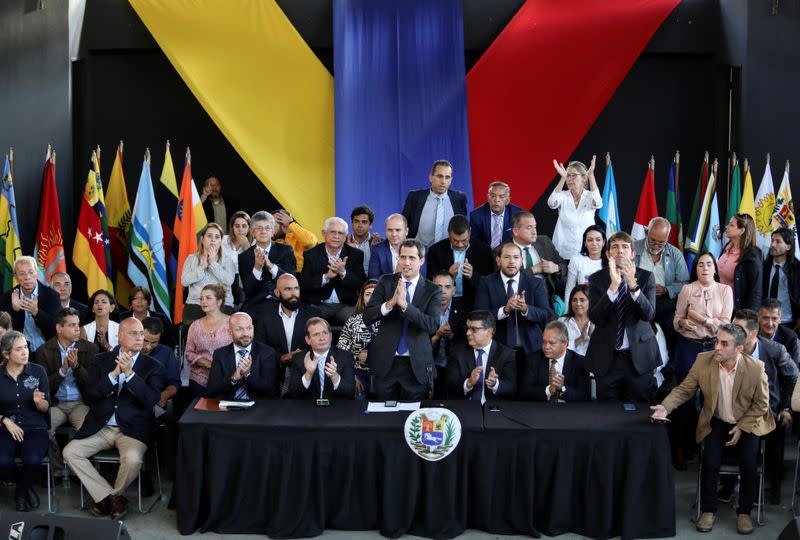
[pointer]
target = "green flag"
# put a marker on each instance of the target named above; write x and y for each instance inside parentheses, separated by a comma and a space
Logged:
(735, 199)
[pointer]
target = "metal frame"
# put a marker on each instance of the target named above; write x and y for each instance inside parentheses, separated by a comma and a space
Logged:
(50, 482)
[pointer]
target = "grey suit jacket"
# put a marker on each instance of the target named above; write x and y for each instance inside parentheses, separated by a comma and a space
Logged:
(676, 273)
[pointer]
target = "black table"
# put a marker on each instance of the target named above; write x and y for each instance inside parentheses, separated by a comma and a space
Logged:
(290, 469)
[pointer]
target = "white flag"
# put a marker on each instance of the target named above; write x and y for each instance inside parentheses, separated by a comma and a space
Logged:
(765, 208)
(784, 210)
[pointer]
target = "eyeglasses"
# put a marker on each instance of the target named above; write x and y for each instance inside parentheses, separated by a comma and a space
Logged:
(572, 176)
(475, 328)
(259, 228)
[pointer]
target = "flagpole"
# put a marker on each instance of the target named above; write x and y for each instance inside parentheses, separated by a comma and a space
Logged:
(53, 159)
(147, 156)
(746, 166)
(608, 159)
(188, 155)
(787, 166)
(11, 161)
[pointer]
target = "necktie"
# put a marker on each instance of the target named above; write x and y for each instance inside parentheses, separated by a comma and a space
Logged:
(241, 391)
(477, 391)
(120, 383)
(773, 286)
(402, 345)
(553, 362)
(511, 326)
(439, 231)
(321, 371)
(622, 309)
(497, 230)
(528, 258)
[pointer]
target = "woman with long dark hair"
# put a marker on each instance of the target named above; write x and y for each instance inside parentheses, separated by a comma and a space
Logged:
(589, 261)
(741, 263)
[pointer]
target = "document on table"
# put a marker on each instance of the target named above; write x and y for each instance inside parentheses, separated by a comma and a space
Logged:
(236, 404)
(380, 406)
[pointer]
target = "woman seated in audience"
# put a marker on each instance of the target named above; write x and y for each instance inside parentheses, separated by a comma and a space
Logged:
(703, 305)
(235, 242)
(356, 337)
(206, 267)
(576, 205)
(590, 259)
(102, 331)
(577, 319)
(741, 263)
(5, 323)
(139, 300)
(23, 414)
(206, 335)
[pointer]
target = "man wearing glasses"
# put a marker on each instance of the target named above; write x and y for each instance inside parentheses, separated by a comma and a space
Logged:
(428, 211)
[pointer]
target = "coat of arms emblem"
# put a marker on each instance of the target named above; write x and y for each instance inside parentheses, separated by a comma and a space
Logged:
(432, 433)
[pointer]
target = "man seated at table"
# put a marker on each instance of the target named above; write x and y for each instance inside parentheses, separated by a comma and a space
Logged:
(735, 414)
(324, 371)
(555, 373)
(123, 388)
(245, 369)
(483, 369)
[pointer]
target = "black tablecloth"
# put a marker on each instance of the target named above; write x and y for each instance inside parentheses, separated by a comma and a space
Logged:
(290, 469)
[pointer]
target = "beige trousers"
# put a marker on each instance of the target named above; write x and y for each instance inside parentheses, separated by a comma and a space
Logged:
(131, 453)
(73, 412)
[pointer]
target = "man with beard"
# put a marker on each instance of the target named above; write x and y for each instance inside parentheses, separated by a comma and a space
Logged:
(282, 326)
(654, 254)
(782, 276)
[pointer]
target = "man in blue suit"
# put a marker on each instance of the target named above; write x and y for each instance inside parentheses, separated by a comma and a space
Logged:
(491, 221)
(383, 255)
(428, 211)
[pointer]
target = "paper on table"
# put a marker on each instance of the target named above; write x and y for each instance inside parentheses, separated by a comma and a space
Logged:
(239, 404)
(379, 406)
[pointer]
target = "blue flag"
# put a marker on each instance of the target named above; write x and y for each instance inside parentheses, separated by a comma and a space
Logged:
(713, 242)
(146, 265)
(696, 242)
(609, 213)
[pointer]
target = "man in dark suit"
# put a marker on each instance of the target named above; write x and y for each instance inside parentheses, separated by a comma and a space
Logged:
(556, 373)
(408, 306)
(62, 284)
(770, 327)
(623, 352)
(283, 326)
(429, 210)
(539, 256)
(517, 299)
(123, 388)
(245, 369)
(491, 221)
(262, 263)
(782, 276)
(32, 301)
(451, 330)
(324, 371)
(383, 258)
(484, 369)
(218, 208)
(333, 273)
(466, 259)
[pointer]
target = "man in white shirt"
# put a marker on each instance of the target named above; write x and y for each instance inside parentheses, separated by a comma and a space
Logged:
(556, 373)
(324, 371)
(361, 218)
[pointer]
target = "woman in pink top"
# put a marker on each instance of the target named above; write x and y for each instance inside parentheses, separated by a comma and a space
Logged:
(206, 335)
(703, 305)
(741, 263)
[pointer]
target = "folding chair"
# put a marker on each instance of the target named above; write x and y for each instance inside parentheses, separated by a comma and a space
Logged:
(50, 481)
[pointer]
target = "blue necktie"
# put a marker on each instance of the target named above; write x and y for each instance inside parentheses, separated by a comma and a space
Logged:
(511, 326)
(321, 370)
(477, 392)
(439, 231)
(241, 391)
(402, 345)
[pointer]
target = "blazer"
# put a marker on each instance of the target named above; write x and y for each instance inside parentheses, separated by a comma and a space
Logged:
(536, 375)
(82, 309)
(788, 338)
(344, 367)
(792, 270)
(746, 278)
(602, 312)
(380, 260)
(547, 250)
(676, 273)
(480, 222)
(49, 305)
(750, 394)
(269, 328)
(49, 357)
(257, 292)
(461, 362)
(458, 315)
(315, 264)
(491, 295)
(230, 208)
(262, 381)
(422, 314)
(415, 202)
(440, 257)
(781, 373)
(133, 405)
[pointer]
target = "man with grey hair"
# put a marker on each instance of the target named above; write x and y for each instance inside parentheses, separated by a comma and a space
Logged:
(333, 273)
(491, 221)
(31, 304)
(262, 263)
(62, 284)
(383, 258)
(555, 373)
(655, 254)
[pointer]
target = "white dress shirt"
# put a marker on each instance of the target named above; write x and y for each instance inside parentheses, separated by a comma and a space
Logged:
(496, 386)
(411, 289)
(559, 369)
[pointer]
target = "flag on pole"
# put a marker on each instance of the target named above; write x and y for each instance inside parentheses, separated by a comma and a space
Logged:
(146, 266)
(695, 244)
(648, 208)
(609, 213)
(9, 230)
(185, 241)
(748, 204)
(90, 253)
(699, 194)
(765, 209)
(49, 248)
(713, 241)
(674, 205)
(784, 209)
(167, 199)
(735, 199)
(119, 228)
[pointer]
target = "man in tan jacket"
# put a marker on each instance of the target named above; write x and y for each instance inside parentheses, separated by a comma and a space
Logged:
(735, 414)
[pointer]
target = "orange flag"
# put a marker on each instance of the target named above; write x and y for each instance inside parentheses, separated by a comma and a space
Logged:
(185, 239)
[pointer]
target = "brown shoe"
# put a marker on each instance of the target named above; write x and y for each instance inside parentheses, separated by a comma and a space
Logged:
(119, 507)
(101, 508)
(706, 522)
(744, 525)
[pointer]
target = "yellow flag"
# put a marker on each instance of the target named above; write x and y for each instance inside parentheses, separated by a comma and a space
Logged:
(748, 204)
(119, 228)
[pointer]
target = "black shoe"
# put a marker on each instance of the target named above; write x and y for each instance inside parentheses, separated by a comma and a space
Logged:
(101, 508)
(32, 499)
(22, 503)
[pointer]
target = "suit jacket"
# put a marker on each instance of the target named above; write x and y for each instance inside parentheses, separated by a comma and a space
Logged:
(547, 250)
(380, 260)
(258, 291)
(269, 328)
(461, 362)
(746, 280)
(792, 270)
(49, 305)
(262, 381)
(480, 221)
(133, 405)
(230, 207)
(788, 338)
(602, 312)
(49, 357)
(491, 295)
(440, 257)
(415, 202)
(422, 314)
(344, 367)
(82, 310)
(315, 264)
(536, 376)
(458, 314)
(676, 273)
(781, 373)
(750, 394)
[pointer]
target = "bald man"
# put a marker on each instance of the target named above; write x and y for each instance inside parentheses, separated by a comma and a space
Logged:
(123, 387)
(245, 369)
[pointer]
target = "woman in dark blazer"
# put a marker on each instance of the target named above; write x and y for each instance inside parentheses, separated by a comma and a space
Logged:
(742, 262)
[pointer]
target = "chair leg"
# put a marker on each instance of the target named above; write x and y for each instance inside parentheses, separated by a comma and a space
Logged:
(49, 488)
